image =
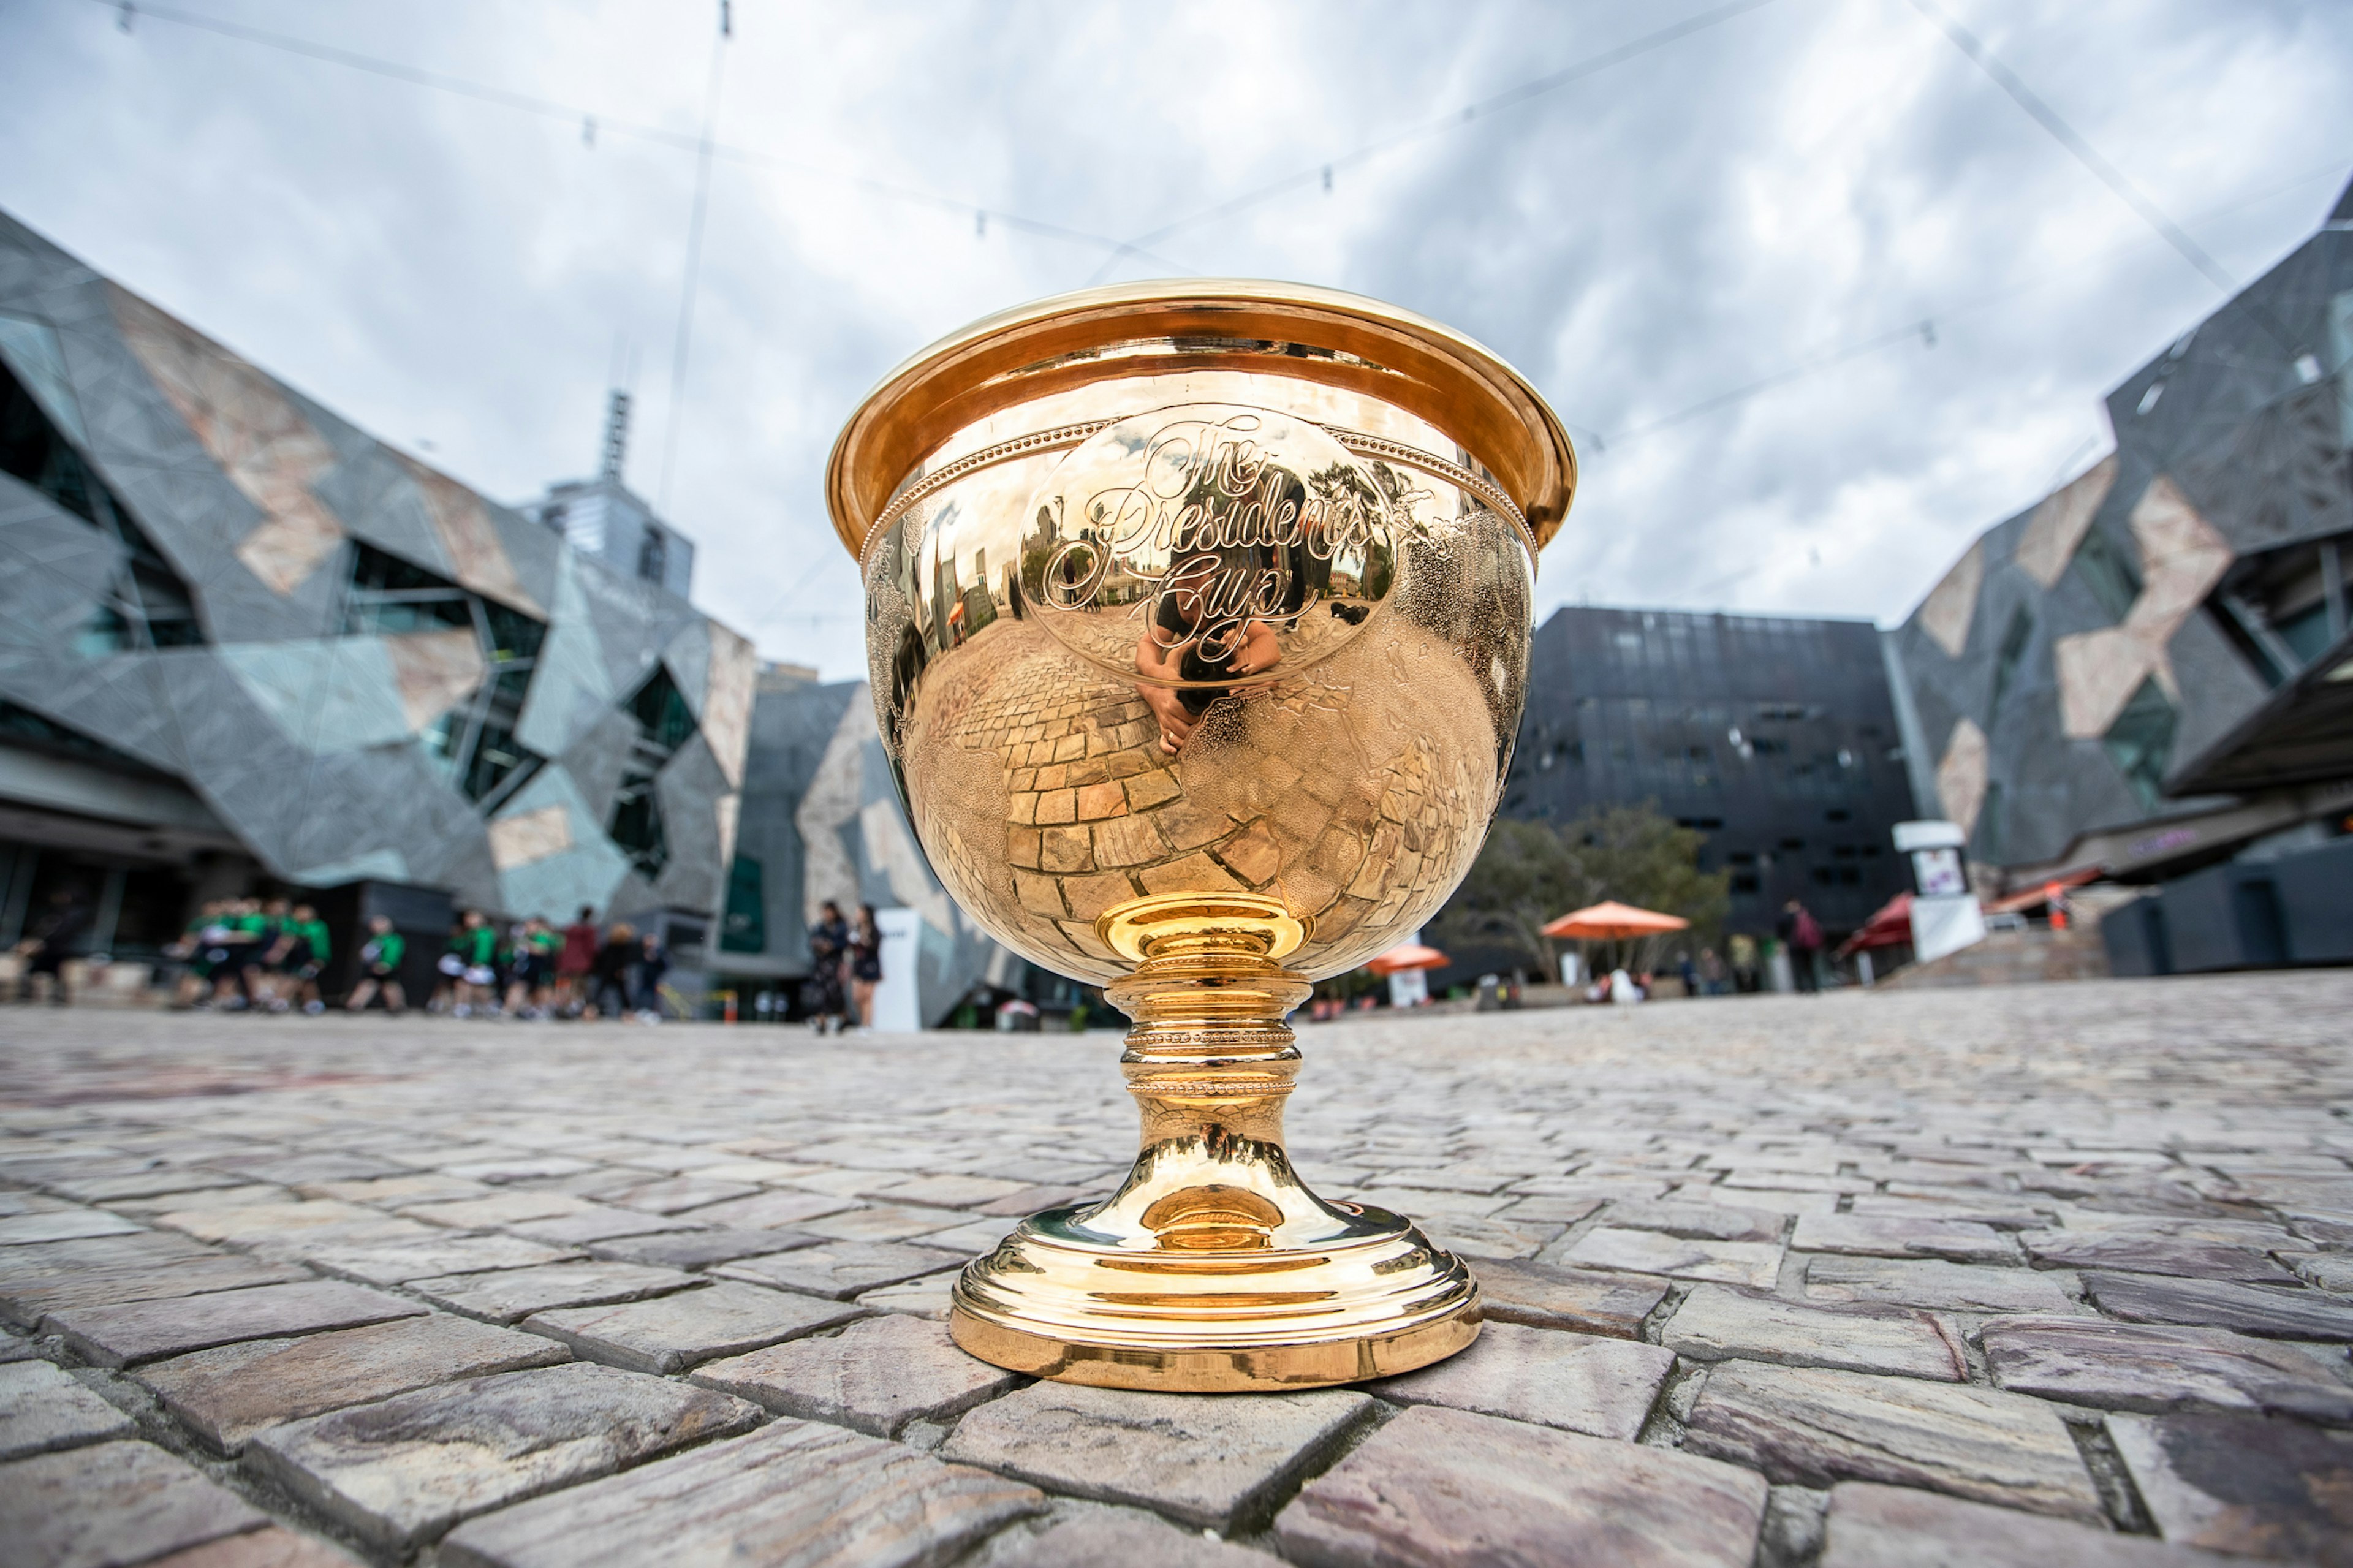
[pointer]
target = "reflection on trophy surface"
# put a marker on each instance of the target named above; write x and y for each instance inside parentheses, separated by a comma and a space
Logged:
(1198, 615)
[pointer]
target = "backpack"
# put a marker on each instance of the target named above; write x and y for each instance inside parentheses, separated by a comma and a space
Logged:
(1807, 932)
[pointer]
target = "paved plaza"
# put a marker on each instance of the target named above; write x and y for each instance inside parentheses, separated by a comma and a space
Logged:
(2047, 1275)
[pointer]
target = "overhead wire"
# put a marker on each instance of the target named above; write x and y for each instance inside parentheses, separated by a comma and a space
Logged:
(2066, 135)
(594, 122)
(1813, 364)
(1700, 593)
(1510, 98)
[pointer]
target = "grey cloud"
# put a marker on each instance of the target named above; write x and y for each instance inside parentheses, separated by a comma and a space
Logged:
(1709, 215)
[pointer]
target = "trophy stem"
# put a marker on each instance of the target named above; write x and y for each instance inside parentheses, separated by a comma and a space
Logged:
(1213, 1266)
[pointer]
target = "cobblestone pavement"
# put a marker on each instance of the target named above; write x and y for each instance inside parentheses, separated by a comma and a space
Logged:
(2046, 1276)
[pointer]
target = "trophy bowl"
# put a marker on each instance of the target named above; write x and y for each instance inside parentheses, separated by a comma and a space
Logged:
(1198, 620)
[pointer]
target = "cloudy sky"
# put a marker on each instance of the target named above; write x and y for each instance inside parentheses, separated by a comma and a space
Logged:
(1712, 253)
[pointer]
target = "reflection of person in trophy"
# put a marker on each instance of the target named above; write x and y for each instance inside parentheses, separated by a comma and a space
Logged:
(1195, 636)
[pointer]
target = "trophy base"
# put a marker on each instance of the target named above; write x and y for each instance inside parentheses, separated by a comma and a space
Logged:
(1213, 1268)
(1063, 1297)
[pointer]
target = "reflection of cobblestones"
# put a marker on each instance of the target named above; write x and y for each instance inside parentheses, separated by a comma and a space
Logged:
(1350, 816)
(1822, 1242)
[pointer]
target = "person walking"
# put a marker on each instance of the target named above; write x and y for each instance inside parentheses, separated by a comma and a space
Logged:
(531, 969)
(828, 942)
(653, 963)
(307, 958)
(478, 952)
(572, 964)
(609, 977)
(56, 934)
(380, 958)
(1803, 933)
(865, 965)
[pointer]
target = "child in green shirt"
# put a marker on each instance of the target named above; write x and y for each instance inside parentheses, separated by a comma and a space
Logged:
(380, 958)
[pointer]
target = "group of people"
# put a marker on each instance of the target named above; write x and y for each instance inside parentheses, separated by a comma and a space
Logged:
(252, 953)
(529, 970)
(843, 958)
(266, 956)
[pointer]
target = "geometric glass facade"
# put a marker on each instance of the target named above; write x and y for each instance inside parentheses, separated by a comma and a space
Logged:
(300, 656)
(2112, 678)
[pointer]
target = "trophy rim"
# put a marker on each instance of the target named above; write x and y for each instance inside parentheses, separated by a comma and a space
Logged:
(1430, 370)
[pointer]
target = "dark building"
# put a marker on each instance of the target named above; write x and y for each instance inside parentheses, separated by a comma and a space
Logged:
(1776, 737)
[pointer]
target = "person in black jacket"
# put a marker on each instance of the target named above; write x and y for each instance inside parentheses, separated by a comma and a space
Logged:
(828, 942)
(54, 937)
(1798, 928)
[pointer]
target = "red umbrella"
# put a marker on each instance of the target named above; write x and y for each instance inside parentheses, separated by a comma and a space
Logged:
(1891, 926)
(1613, 923)
(1408, 955)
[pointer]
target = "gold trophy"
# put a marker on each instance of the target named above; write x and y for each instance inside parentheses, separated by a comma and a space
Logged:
(1197, 618)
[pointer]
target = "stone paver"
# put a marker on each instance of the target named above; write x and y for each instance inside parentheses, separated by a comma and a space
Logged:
(397, 1263)
(1891, 1235)
(1205, 1461)
(61, 1224)
(771, 1210)
(842, 1269)
(228, 1394)
(1452, 1490)
(1755, 1263)
(2243, 1484)
(270, 1548)
(875, 1376)
(2138, 1253)
(2146, 1367)
(1100, 1536)
(26, 1300)
(1590, 1300)
(118, 1503)
(1948, 1287)
(1814, 1426)
(2293, 1314)
(797, 1493)
(2128, 1200)
(672, 1332)
(402, 1470)
(144, 1330)
(1717, 1323)
(700, 1249)
(510, 1295)
(42, 1408)
(1872, 1526)
(1577, 1382)
(594, 1222)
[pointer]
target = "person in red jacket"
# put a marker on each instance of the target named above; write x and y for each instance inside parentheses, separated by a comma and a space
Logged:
(581, 939)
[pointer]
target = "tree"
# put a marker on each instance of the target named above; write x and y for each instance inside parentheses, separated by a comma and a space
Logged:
(1531, 873)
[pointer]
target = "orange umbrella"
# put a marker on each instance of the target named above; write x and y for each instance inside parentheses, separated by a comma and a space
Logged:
(1408, 955)
(1613, 923)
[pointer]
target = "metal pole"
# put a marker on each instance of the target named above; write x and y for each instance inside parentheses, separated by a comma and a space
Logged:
(2332, 585)
(20, 895)
(110, 912)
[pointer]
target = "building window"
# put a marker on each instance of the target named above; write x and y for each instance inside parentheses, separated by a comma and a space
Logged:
(2014, 638)
(146, 605)
(653, 555)
(474, 743)
(2140, 743)
(2112, 579)
(664, 724)
(744, 927)
(1989, 824)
